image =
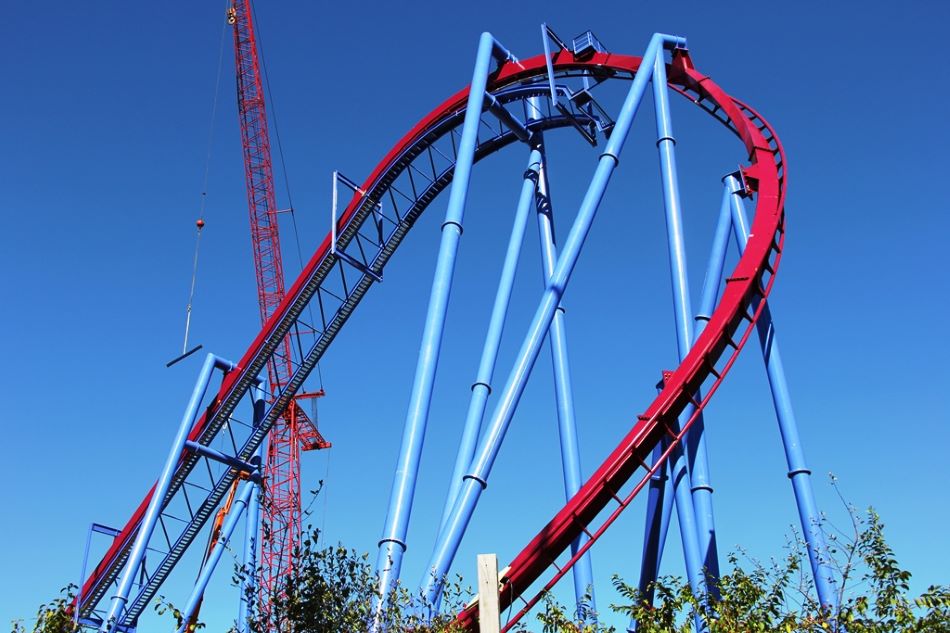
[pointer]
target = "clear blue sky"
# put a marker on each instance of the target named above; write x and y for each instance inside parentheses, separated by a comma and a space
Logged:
(106, 111)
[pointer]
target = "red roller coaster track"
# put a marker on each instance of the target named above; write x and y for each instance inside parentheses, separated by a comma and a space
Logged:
(703, 369)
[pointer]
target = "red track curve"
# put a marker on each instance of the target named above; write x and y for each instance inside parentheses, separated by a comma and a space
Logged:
(738, 306)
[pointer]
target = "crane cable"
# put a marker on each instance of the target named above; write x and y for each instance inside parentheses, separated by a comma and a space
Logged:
(194, 280)
(204, 196)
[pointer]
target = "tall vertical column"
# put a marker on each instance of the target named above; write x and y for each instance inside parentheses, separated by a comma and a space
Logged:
(717, 262)
(656, 526)
(657, 522)
(696, 524)
(477, 479)
(798, 471)
(392, 545)
(252, 531)
(563, 391)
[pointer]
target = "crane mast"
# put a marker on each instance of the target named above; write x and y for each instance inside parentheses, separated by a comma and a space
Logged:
(281, 521)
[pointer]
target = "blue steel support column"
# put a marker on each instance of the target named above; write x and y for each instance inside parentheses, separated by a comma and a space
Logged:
(717, 261)
(699, 538)
(657, 526)
(393, 542)
(657, 523)
(798, 471)
(252, 532)
(150, 519)
(567, 427)
(240, 503)
(82, 574)
(476, 481)
(249, 579)
(481, 388)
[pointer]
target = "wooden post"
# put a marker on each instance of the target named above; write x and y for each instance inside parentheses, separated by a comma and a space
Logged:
(489, 615)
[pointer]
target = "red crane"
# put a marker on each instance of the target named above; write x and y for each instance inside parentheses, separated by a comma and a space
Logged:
(280, 526)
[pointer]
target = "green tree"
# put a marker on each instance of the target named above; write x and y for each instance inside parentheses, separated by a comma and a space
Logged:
(333, 589)
(54, 616)
(873, 593)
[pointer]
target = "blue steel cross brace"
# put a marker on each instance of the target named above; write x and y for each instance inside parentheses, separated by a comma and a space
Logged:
(240, 503)
(114, 616)
(450, 537)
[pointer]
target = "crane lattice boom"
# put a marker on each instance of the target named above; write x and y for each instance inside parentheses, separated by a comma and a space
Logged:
(280, 527)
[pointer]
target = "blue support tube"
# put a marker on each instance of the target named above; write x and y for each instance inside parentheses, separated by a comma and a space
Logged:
(659, 509)
(657, 526)
(93, 528)
(658, 518)
(251, 533)
(248, 586)
(82, 576)
(696, 531)
(150, 519)
(222, 458)
(567, 426)
(717, 262)
(511, 121)
(450, 537)
(481, 388)
(392, 545)
(798, 471)
(240, 503)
